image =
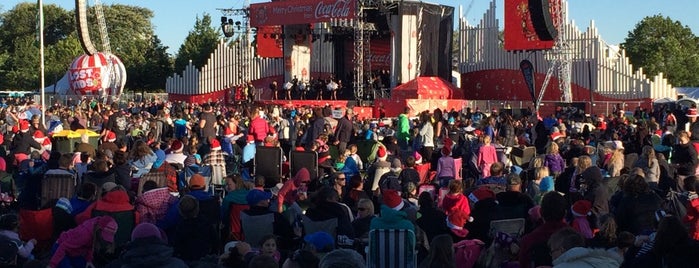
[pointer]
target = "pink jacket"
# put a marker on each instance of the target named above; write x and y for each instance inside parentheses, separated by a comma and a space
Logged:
(487, 155)
(76, 242)
(259, 129)
(288, 193)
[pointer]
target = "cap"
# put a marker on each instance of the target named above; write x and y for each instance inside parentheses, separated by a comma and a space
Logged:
(321, 241)
(146, 230)
(108, 186)
(392, 199)
(255, 196)
(396, 164)
(176, 146)
(581, 208)
(618, 145)
(197, 181)
(64, 203)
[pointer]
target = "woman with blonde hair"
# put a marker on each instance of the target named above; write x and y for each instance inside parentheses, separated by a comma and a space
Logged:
(540, 185)
(616, 161)
(553, 160)
(651, 168)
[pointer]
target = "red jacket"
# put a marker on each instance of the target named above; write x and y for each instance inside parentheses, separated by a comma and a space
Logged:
(454, 202)
(692, 218)
(114, 201)
(259, 128)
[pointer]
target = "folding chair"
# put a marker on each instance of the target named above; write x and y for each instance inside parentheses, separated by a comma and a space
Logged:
(458, 162)
(299, 160)
(423, 170)
(391, 248)
(55, 186)
(256, 227)
(268, 163)
(328, 226)
(520, 156)
(512, 227)
(159, 177)
(205, 171)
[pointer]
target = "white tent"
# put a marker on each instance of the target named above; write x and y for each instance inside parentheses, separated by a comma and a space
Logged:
(664, 100)
(61, 87)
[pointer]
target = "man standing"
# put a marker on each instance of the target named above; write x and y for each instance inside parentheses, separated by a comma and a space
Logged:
(403, 129)
(207, 123)
(117, 123)
(344, 131)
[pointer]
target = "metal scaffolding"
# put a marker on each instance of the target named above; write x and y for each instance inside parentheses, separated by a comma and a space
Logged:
(561, 57)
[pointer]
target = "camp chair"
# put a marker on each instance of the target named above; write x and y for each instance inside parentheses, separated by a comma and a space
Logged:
(457, 166)
(204, 170)
(391, 248)
(423, 171)
(55, 186)
(159, 177)
(299, 160)
(513, 227)
(328, 226)
(256, 227)
(236, 228)
(126, 220)
(37, 224)
(522, 156)
(268, 162)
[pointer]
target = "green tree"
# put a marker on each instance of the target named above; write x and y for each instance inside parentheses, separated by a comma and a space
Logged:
(199, 44)
(659, 44)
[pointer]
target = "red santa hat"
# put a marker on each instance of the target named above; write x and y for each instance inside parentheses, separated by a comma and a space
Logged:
(456, 222)
(391, 198)
(250, 138)
(581, 208)
(446, 151)
(556, 135)
(381, 153)
(215, 144)
(24, 126)
(111, 136)
(418, 158)
(39, 136)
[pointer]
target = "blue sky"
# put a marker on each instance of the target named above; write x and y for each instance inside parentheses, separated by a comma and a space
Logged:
(614, 19)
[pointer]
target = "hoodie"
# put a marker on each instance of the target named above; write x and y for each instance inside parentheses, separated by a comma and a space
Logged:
(76, 242)
(288, 192)
(692, 217)
(153, 204)
(391, 219)
(453, 202)
(114, 201)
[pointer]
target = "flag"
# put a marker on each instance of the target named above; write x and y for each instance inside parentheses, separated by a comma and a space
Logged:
(528, 72)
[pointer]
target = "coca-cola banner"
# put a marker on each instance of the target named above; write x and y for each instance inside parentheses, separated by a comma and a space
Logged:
(300, 12)
(380, 54)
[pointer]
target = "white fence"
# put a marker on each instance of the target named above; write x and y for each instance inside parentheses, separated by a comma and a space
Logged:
(612, 74)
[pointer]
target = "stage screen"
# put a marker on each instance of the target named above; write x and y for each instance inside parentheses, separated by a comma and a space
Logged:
(301, 12)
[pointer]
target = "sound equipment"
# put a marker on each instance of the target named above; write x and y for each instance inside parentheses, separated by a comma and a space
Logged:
(541, 19)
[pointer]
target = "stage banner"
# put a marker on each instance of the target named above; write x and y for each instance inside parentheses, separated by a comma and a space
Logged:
(269, 42)
(519, 30)
(301, 12)
(528, 71)
(380, 54)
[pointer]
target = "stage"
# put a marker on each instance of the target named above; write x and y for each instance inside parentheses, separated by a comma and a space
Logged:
(366, 112)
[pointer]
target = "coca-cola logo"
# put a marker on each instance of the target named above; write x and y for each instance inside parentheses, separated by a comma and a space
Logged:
(339, 9)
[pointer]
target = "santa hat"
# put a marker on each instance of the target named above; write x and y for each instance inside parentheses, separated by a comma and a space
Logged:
(250, 138)
(581, 208)
(556, 135)
(418, 158)
(111, 136)
(228, 132)
(176, 146)
(391, 198)
(15, 129)
(692, 112)
(215, 144)
(381, 153)
(481, 194)
(39, 136)
(24, 126)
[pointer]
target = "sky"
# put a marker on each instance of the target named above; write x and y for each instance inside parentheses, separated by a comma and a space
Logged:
(174, 19)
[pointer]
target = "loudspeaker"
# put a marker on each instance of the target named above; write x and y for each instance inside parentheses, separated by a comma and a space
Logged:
(541, 19)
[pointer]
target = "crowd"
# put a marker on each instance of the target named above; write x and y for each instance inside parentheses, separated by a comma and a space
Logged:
(175, 184)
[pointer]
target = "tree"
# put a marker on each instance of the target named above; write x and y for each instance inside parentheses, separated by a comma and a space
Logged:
(659, 44)
(199, 44)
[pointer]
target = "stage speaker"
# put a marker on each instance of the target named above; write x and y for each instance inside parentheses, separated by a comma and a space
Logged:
(542, 20)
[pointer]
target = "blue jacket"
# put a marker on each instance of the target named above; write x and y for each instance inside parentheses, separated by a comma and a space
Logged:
(391, 219)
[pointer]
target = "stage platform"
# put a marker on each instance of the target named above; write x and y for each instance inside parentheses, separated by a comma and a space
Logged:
(360, 112)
